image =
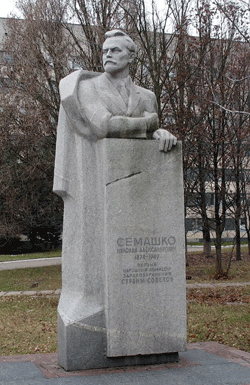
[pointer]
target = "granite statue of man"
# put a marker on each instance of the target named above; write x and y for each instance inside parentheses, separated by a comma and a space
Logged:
(122, 109)
(94, 106)
(109, 105)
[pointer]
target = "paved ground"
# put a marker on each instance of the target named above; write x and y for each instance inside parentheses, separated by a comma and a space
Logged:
(206, 363)
(39, 262)
(9, 265)
(22, 264)
(194, 248)
(57, 292)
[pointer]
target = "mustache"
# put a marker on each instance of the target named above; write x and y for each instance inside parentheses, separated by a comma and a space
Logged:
(109, 61)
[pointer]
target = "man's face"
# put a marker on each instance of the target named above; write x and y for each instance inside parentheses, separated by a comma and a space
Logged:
(116, 56)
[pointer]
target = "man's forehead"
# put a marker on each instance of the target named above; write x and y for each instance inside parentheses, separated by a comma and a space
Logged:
(113, 42)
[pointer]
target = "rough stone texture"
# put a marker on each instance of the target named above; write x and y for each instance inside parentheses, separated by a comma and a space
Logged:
(121, 189)
(83, 250)
(82, 345)
(145, 263)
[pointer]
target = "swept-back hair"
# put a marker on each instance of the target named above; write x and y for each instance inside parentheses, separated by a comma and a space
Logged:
(129, 42)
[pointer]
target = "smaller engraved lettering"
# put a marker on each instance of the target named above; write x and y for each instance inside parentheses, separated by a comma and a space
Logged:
(139, 257)
(127, 281)
(127, 250)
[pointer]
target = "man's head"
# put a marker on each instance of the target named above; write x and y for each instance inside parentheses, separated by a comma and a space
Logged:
(118, 52)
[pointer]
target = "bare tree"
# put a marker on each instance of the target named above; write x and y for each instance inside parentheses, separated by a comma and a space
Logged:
(38, 54)
(201, 97)
(94, 17)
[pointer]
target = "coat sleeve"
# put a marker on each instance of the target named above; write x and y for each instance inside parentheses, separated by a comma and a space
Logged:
(149, 102)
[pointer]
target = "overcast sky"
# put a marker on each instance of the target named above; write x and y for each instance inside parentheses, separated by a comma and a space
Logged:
(7, 6)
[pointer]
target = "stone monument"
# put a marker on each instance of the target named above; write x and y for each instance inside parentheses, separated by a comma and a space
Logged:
(123, 263)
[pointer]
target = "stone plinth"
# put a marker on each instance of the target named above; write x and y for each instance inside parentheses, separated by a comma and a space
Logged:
(145, 264)
(133, 252)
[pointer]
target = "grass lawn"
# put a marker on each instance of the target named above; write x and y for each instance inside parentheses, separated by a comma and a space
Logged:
(38, 278)
(202, 269)
(28, 324)
(220, 314)
(226, 324)
(18, 257)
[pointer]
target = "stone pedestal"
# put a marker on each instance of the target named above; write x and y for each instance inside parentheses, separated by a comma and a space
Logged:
(127, 304)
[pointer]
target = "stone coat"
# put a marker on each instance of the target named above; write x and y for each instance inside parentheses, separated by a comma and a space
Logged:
(89, 102)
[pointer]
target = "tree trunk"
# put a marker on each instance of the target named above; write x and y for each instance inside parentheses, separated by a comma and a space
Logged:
(186, 252)
(237, 238)
(218, 265)
(248, 240)
(207, 248)
(206, 242)
(238, 206)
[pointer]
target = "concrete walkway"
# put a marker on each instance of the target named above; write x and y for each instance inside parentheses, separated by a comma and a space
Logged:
(38, 293)
(22, 264)
(216, 284)
(193, 248)
(57, 292)
(40, 262)
(206, 363)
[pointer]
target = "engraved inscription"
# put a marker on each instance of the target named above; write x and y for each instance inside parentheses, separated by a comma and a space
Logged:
(146, 241)
(148, 265)
(146, 245)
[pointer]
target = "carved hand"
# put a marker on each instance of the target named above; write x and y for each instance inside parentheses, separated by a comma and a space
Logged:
(167, 140)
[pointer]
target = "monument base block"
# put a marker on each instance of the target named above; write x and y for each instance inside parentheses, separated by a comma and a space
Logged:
(123, 296)
(84, 349)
